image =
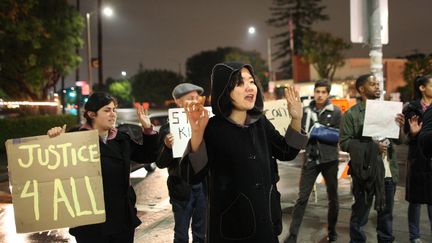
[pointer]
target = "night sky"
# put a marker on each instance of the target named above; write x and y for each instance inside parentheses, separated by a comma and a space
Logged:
(164, 33)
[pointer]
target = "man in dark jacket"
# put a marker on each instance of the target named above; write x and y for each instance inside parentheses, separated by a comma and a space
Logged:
(373, 167)
(188, 201)
(319, 157)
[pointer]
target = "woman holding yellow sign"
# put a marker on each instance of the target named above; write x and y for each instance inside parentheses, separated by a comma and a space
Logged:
(117, 150)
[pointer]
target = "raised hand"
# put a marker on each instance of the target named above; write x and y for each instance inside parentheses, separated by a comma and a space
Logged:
(197, 115)
(295, 107)
(143, 117)
(415, 125)
(55, 131)
(198, 118)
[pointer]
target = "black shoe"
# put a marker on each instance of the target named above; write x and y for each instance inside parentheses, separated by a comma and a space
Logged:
(291, 239)
(332, 237)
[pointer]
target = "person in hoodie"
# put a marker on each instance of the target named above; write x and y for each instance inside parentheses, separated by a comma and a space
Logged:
(117, 149)
(320, 157)
(235, 151)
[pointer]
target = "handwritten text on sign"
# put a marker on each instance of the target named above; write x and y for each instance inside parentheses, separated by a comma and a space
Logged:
(180, 129)
(56, 182)
(277, 113)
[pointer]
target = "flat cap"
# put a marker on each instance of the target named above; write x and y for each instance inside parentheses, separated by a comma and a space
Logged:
(185, 88)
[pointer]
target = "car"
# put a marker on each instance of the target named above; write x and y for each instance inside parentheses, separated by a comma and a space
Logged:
(135, 132)
(158, 119)
(132, 127)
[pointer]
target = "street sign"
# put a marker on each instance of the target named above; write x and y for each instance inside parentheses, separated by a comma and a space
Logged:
(360, 13)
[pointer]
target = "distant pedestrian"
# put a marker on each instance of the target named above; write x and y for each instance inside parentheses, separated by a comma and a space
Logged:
(188, 201)
(117, 150)
(373, 167)
(419, 172)
(320, 157)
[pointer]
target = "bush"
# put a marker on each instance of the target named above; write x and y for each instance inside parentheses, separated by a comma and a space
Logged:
(31, 126)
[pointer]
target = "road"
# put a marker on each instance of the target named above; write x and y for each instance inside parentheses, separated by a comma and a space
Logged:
(155, 211)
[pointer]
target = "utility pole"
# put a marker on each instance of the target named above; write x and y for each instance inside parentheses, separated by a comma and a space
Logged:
(99, 26)
(375, 43)
(77, 71)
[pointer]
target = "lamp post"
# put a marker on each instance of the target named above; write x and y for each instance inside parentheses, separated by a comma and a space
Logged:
(107, 11)
(89, 66)
(252, 31)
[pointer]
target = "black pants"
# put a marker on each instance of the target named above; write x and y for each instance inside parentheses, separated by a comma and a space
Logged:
(360, 213)
(123, 237)
(309, 173)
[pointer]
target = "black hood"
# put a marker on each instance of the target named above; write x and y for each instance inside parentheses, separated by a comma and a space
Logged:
(220, 78)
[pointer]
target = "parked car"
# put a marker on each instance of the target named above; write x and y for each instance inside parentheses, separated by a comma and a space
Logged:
(158, 119)
(133, 128)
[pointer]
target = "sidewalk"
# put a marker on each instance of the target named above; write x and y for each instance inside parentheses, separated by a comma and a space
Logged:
(314, 225)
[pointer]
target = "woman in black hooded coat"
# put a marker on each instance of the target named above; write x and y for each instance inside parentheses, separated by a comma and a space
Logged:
(236, 151)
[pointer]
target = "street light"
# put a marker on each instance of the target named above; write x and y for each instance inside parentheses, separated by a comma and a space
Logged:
(107, 12)
(123, 73)
(252, 31)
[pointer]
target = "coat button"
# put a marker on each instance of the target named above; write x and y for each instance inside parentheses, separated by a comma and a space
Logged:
(258, 185)
(252, 156)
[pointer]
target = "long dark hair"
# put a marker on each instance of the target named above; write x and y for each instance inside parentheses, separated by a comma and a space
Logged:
(226, 103)
(96, 101)
(420, 81)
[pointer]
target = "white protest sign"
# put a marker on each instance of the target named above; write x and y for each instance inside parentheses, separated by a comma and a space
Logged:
(380, 119)
(277, 113)
(180, 129)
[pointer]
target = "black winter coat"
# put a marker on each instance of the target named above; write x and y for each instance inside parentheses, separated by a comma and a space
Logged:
(119, 196)
(419, 173)
(243, 204)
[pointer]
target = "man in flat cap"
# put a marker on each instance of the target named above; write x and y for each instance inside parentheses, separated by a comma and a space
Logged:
(188, 201)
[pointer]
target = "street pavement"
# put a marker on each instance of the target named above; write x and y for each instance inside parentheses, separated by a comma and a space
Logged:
(157, 227)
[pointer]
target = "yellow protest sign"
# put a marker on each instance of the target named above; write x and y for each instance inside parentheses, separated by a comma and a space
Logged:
(56, 182)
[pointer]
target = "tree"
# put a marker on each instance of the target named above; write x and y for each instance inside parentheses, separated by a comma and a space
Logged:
(324, 52)
(154, 86)
(199, 66)
(302, 14)
(253, 58)
(38, 42)
(417, 64)
(121, 89)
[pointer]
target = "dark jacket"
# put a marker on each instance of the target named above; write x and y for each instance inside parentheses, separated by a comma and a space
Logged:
(366, 164)
(119, 196)
(420, 174)
(239, 163)
(352, 128)
(178, 188)
(329, 115)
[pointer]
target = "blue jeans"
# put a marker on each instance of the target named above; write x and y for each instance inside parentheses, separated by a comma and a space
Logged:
(194, 209)
(360, 213)
(414, 219)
